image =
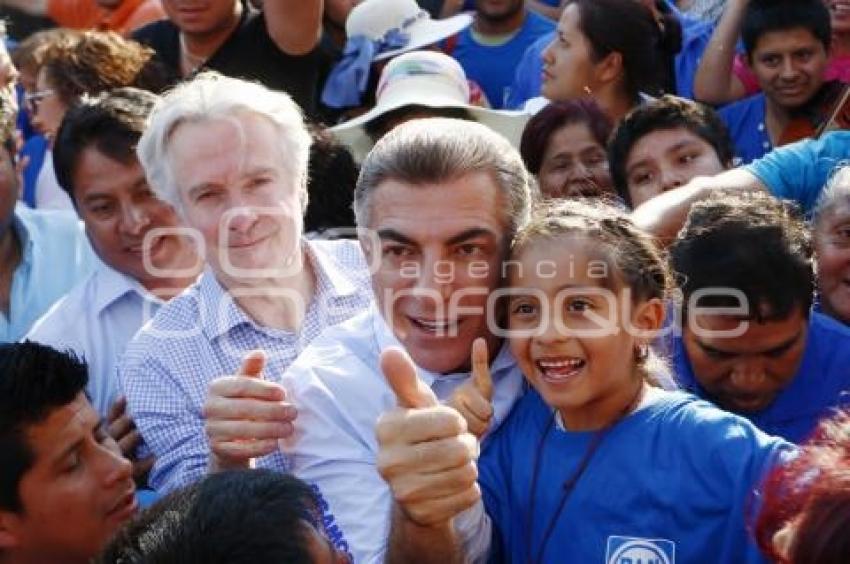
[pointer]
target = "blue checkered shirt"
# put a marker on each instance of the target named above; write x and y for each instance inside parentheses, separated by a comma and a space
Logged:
(202, 335)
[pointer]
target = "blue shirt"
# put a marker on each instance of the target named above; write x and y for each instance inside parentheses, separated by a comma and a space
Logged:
(798, 171)
(340, 393)
(674, 478)
(96, 320)
(493, 67)
(203, 334)
(745, 120)
(822, 382)
(55, 256)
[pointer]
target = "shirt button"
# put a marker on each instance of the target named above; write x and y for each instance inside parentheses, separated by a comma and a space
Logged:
(761, 127)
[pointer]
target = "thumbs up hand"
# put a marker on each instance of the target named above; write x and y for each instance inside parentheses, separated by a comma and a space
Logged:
(245, 416)
(473, 399)
(425, 453)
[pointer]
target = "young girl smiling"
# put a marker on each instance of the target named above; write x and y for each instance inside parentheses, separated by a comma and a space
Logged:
(596, 461)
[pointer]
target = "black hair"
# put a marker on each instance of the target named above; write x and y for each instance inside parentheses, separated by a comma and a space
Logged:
(753, 243)
(237, 517)
(666, 112)
(35, 380)
(629, 28)
(764, 16)
(332, 176)
(111, 123)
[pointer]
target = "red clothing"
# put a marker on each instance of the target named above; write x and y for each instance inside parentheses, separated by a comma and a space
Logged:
(86, 14)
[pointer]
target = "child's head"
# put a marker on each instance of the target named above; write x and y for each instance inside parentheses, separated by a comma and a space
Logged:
(588, 290)
(663, 144)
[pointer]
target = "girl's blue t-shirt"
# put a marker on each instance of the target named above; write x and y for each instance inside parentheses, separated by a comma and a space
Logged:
(672, 482)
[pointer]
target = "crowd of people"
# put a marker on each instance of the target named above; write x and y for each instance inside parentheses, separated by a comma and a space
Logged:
(437, 281)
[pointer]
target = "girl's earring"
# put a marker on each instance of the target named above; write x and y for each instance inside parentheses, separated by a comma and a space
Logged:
(587, 90)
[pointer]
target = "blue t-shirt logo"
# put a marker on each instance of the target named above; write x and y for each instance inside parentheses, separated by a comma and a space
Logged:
(633, 550)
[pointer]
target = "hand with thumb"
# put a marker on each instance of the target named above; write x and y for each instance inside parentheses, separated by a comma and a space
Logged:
(253, 364)
(400, 372)
(473, 399)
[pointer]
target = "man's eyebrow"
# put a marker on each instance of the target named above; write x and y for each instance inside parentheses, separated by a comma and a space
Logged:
(393, 235)
(470, 234)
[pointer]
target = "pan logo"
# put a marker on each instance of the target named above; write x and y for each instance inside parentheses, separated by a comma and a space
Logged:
(633, 550)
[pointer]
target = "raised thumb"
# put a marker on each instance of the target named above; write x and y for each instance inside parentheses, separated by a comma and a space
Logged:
(253, 364)
(481, 369)
(400, 372)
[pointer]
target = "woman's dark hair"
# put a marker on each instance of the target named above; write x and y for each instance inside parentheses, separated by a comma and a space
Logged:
(764, 16)
(332, 176)
(629, 28)
(380, 126)
(812, 493)
(666, 112)
(540, 128)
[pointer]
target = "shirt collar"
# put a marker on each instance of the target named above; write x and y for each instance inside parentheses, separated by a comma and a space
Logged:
(330, 279)
(26, 237)
(220, 313)
(113, 285)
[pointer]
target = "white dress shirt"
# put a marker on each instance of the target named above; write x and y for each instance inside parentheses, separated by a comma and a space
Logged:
(96, 320)
(340, 392)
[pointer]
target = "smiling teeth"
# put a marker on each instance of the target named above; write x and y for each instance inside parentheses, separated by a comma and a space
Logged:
(572, 363)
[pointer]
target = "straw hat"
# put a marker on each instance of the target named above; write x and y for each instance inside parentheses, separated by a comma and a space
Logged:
(431, 79)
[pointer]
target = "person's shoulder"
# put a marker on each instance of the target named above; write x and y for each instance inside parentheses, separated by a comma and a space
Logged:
(61, 322)
(175, 324)
(743, 107)
(829, 339)
(702, 430)
(155, 33)
(538, 24)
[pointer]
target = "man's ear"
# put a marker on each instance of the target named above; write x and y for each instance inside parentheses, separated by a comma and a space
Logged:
(10, 525)
(610, 68)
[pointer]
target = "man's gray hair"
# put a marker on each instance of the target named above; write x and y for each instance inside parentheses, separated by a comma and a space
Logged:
(209, 97)
(435, 150)
(837, 190)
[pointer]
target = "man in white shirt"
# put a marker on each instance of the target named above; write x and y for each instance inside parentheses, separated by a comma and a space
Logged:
(438, 202)
(145, 255)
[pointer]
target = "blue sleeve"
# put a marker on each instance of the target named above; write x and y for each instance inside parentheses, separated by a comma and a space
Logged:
(527, 79)
(736, 457)
(798, 171)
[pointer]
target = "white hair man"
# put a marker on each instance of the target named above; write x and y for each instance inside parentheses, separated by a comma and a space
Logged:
(231, 157)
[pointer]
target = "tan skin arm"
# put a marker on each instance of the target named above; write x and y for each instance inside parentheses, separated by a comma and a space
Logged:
(294, 25)
(714, 82)
(664, 215)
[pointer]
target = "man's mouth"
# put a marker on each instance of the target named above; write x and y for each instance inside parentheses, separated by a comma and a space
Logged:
(125, 507)
(437, 327)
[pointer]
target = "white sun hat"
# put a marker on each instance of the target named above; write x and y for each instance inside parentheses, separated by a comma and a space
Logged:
(378, 30)
(431, 79)
(377, 19)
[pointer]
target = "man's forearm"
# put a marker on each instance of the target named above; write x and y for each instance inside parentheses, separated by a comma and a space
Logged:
(412, 543)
